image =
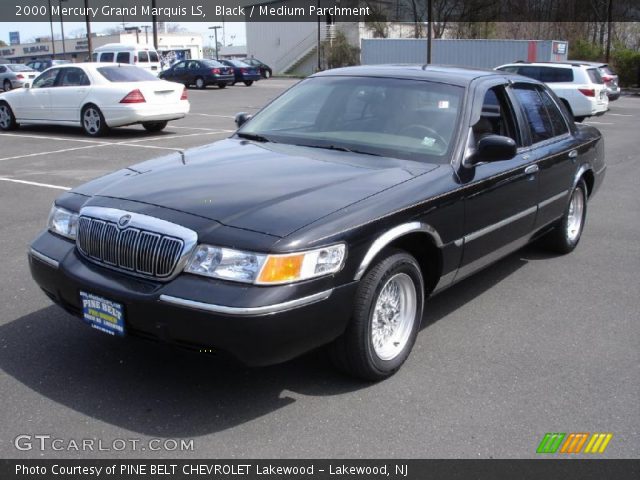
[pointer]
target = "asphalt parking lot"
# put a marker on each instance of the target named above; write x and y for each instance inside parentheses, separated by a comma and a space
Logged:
(534, 344)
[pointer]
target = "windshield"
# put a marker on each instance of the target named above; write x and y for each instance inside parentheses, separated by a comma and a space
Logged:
(123, 73)
(391, 117)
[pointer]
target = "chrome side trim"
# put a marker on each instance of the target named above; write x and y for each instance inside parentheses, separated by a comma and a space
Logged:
(391, 235)
(555, 198)
(43, 258)
(245, 311)
(490, 228)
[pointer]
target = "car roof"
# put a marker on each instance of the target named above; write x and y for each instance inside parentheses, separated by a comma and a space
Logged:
(461, 76)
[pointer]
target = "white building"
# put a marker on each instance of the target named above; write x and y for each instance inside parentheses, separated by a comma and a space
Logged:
(184, 45)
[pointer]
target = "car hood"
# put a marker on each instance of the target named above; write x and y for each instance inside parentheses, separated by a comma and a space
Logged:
(268, 188)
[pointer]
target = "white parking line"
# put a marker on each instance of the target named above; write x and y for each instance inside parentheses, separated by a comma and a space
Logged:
(47, 137)
(35, 184)
(196, 128)
(599, 123)
(620, 114)
(53, 152)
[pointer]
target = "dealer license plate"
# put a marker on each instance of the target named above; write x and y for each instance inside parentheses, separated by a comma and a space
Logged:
(103, 314)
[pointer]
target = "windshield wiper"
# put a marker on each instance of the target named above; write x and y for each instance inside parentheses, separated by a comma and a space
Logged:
(340, 148)
(255, 137)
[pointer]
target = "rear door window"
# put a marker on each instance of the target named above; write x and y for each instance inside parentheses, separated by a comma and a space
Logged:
(153, 57)
(594, 76)
(529, 71)
(143, 56)
(535, 112)
(73, 77)
(123, 57)
(555, 75)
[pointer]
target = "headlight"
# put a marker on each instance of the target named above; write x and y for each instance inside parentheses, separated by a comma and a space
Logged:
(262, 269)
(63, 222)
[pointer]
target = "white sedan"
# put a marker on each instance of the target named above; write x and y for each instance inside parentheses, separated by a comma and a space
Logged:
(95, 96)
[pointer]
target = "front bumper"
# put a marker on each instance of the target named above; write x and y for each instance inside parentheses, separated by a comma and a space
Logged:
(257, 325)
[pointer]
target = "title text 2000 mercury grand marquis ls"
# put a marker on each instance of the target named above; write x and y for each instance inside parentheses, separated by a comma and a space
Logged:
(327, 218)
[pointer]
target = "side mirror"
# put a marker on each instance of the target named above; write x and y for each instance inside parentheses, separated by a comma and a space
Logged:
(494, 148)
(26, 85)
(242, 118)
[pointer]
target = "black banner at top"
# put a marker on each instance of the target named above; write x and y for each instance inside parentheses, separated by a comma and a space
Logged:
(325, 10)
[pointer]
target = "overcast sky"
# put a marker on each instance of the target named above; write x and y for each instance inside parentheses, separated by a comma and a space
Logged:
(29, 30)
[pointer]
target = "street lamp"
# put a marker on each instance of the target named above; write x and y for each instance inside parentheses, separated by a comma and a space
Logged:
(88, 22)
(215, 32)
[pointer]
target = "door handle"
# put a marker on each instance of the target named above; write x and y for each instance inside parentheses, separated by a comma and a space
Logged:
(531, 169)
(573, 154)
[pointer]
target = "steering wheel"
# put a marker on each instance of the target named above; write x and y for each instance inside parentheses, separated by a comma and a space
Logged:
(418, 131)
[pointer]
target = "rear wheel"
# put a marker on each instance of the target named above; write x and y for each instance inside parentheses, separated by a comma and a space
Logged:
(222, 85)
(93, 121)
(154, 126)
(565, 237)
(248, 83)
(200, 84)
(386, 319)
(7, 118)
(6, 86)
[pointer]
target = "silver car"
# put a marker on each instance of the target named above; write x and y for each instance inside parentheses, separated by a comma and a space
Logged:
(611, 80)
(14, 75)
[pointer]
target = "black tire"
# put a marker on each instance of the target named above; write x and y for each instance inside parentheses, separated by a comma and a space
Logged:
(222, 85)
(154, 126)
(7, 118)
(354, 351)
(248, 83)
(200, 83)
(92, 121)
(565, 236)
(6, 86)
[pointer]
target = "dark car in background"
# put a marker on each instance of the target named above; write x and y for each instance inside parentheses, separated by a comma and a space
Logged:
(328, 218)
(243, 72)
(265, 70)
(15, 75)
(42, 65)
(199, 73)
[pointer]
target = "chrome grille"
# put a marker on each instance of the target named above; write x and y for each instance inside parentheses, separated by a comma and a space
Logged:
(135, 250)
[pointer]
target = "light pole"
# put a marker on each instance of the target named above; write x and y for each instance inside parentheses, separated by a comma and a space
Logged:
(134, 29)
(64, 50)
(429, 27)
(215, 33)
(146, 33)
(53, 42)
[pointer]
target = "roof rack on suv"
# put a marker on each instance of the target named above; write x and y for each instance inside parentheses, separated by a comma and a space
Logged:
(567, 62)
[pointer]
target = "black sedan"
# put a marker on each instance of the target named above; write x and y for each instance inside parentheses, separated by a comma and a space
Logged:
(199, 73)
(263, 68)
(243, 73)
(328, 218)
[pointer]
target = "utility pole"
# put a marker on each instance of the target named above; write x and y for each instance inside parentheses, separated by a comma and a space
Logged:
(89, 40)
(318, 40)
(609, 23)
(53, 42)
(64, 50)
(215, 33)
(429, 28)
(155, 25)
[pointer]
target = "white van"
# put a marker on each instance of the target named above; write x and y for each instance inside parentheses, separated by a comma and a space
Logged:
(143, 56)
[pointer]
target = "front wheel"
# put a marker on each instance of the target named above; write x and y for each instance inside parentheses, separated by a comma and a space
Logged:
(248, 83)
(7, 118)
(154, 126)
(93, 121)
(385, 321)
(267, 74)
(565, 237)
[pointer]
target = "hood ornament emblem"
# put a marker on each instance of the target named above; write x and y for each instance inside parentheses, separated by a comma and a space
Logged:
(124, 221)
